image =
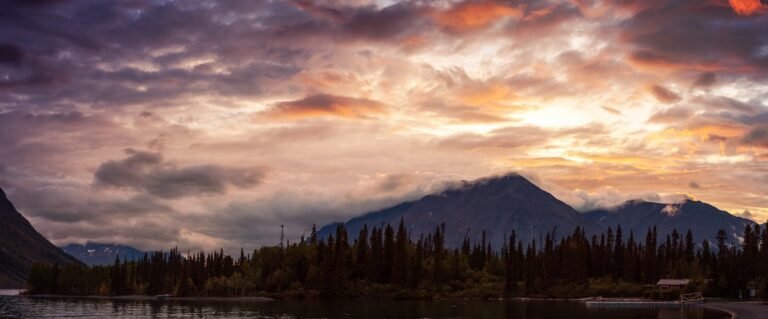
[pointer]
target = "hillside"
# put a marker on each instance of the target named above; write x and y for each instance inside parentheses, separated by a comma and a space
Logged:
(21, 246)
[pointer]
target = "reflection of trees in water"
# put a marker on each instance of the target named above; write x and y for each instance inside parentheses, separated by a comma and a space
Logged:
(35, 308)
(687, 313)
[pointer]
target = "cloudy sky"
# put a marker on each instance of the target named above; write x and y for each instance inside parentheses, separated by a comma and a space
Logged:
(208, 124)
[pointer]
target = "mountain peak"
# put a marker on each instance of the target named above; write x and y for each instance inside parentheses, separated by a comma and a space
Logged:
(510, 182)
(508, 178)
(495, 205)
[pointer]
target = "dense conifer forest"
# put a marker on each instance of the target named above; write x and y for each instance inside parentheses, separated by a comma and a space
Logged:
(386, 263)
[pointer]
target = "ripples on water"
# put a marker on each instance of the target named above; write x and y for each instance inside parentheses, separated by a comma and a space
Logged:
(23, 307)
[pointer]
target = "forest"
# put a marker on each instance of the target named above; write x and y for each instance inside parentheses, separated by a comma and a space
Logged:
(387, 263)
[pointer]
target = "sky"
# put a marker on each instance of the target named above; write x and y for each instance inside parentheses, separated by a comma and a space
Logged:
(205, 124)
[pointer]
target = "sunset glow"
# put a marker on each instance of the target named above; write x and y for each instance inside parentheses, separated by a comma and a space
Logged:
(118, 118)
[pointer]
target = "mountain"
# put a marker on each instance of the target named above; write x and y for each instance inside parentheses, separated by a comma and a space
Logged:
(704, 220)
(94, 254)
(495, 205)
(21, 246)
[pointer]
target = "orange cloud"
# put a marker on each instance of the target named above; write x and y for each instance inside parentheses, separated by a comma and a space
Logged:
(637, 161)
(330, 80)
(649, 60)
(705, 130)
(475, 15)
(718, 131)
(326, 105)
(495, 96)
(747, 7)
(541, 162)
(414, 42)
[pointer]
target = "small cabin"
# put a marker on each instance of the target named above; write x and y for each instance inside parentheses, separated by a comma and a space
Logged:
(669, 284)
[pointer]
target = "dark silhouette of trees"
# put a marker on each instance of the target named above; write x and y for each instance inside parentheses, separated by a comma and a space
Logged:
(388, 262)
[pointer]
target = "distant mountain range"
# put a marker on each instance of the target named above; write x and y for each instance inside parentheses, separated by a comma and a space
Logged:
(496, 206)
(499, 205)
(94, 254)
(21, 246)
(704, 220)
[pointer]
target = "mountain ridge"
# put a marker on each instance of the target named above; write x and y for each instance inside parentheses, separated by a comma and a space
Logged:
(93, 254)
(703, 219)
(21, 246)
(547, 214)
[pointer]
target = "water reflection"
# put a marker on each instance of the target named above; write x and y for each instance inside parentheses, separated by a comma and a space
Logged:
(10, 292)
(23, 307)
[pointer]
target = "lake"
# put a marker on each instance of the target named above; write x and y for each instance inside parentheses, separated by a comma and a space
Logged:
(23, 307)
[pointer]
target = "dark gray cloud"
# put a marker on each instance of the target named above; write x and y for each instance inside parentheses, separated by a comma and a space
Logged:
(694, 35)
(172, 182)
(729, 107)
(128, 172)
(694, 185)
(67, 204)
(757, 136)
(672, 115)
(114, 54)
(325, 104)
(388, 23)
(148, 172)
(663, 94)
(29, 139)
(705, 80)
(758, 119)
(393, 182)
(63, 61)
(11, 54)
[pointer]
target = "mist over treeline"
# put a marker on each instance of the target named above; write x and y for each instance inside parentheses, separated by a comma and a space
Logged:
(385, 262)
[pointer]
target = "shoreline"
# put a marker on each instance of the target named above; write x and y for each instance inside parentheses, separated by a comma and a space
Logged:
(735, 309)
(740, 309)
(270, 299)
(155, 298)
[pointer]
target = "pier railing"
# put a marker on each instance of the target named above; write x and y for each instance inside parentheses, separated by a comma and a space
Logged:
(692, 297)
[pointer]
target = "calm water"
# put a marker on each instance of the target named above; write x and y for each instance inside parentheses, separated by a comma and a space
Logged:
(22, 307)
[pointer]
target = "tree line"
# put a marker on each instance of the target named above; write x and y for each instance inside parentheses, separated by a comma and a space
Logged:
(386, 262)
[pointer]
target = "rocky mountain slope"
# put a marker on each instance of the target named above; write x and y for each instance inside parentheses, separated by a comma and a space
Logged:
(21, 246)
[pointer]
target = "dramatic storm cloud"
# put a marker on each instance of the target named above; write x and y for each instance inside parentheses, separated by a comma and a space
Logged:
(145, 171)
(209, 124)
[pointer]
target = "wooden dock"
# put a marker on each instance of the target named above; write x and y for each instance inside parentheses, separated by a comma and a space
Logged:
(686, 300)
